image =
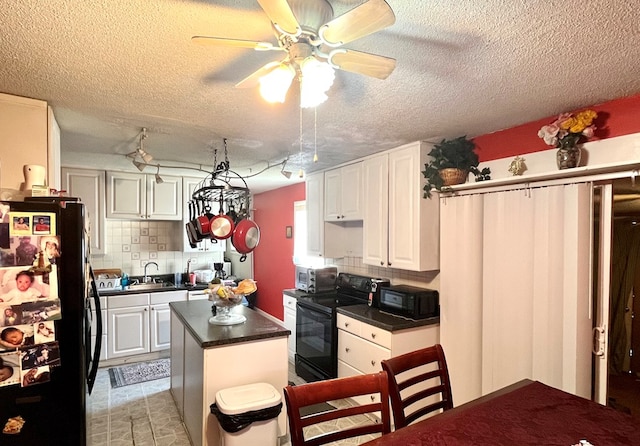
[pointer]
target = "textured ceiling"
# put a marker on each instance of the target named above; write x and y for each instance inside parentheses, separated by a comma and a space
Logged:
(109, 68)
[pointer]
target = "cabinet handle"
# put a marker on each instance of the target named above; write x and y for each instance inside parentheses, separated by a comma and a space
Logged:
(389, 263)
(381, 263)
(373, 398)
(373, 335)
(346, 349)
(373, 363)
(346, 324)
(145, 309)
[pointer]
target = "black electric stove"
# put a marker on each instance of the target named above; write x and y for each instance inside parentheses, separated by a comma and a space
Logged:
(316, 327)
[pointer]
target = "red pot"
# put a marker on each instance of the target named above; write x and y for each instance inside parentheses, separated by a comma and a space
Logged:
(246, 237)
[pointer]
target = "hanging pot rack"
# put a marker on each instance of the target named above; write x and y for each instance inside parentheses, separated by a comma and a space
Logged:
(223, 185)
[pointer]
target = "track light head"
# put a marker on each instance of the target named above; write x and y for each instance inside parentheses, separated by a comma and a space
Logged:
(139, 165)
(159, 180)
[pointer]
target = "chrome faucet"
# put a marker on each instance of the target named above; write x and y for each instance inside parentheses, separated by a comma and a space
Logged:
(146, 277)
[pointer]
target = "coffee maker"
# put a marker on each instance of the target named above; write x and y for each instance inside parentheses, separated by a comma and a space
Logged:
(222, 270)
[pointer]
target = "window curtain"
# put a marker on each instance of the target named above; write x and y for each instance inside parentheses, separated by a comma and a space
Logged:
(625, 261)
(518, 306)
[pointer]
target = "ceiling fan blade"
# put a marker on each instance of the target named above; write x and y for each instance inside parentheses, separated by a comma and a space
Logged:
(236, 43)
(281, 15)
(254, 78)
(362, 63)
(361, 21)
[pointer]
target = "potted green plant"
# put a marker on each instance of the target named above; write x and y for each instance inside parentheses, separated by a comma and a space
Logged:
(452, 160)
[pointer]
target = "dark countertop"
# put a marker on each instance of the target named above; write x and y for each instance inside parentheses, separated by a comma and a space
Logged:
(195, 315)
(386, 321)
(199, 286)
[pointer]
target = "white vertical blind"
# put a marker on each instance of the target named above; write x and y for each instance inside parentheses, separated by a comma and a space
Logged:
(461, 293)
(519, 302)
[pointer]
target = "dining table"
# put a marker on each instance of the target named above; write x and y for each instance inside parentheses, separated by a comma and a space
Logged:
(524, 413)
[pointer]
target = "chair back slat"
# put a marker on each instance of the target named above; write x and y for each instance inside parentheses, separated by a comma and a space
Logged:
(416, 377)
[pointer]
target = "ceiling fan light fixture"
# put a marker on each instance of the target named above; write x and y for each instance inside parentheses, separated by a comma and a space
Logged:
(316, 79)
(275, 84)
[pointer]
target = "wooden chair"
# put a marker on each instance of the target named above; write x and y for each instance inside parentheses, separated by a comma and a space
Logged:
(418, 375)
(309, 394)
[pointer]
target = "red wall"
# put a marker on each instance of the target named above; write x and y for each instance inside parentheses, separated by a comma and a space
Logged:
(273, 257)
(615, 118)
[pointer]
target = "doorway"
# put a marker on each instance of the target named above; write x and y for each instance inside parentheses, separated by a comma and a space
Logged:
(620, 315)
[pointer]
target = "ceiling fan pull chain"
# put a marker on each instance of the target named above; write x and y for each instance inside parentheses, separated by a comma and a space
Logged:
(315, 134)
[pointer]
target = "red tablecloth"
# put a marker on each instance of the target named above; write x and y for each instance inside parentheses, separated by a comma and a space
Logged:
(534, 414)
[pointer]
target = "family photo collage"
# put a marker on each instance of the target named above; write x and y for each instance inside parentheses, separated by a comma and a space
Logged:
(29, 301)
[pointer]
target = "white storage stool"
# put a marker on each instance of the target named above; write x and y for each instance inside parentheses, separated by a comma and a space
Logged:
(257, 405)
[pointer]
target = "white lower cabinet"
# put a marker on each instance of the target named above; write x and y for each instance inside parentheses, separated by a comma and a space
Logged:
(289, 304)
(128, 329)
(139, 323)
(362, 347)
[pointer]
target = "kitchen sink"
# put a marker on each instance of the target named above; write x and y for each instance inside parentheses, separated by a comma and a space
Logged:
(149, 286)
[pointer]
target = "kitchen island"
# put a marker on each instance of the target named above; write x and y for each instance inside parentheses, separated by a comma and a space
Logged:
(206, 358)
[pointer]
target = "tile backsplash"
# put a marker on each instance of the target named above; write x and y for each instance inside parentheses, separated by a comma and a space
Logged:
(132, 244)
(354, 265)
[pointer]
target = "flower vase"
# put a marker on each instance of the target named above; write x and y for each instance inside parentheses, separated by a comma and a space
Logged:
(568, 157)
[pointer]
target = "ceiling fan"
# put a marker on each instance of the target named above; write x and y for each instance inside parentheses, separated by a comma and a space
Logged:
(312, 38)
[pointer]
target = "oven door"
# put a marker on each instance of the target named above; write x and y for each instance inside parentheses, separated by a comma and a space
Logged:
(316, 343)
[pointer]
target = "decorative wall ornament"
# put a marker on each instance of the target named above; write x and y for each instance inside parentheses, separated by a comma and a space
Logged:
(517, 166)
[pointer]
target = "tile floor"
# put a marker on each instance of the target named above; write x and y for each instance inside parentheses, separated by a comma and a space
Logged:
(145, 415)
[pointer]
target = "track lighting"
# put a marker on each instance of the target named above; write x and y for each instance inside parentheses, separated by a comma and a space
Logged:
(159, 180)
(139, 165)
(144, 155)
(286, 173)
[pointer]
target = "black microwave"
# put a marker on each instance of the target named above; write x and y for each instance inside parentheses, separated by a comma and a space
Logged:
(410, 301)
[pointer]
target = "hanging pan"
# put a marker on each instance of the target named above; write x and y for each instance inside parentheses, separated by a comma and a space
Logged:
(246, 237)
(191, 228)
(221, 225)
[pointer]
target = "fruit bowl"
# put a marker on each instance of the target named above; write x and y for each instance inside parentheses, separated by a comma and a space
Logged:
(224, 298)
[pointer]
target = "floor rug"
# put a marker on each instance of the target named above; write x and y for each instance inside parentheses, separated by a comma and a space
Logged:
(139, 372)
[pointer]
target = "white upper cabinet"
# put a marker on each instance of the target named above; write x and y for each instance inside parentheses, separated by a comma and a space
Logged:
(397, 215)
(138, 197)
(89, 185)
(343, 193)
(376, 210)
(315, 208)
(30, 135)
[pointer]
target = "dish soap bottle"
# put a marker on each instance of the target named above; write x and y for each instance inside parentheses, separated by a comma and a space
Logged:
(124, 281)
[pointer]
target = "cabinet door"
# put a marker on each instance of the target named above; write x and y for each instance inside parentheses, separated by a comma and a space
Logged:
(289, 304)
(23, 126)
(89, 185)
(333, 195)
(414, 225)
(315, 215)
(128, 331)
(352, 192)
(126, 196)
(164, 200)
(375, 225)
(343, 193)
(160, 327)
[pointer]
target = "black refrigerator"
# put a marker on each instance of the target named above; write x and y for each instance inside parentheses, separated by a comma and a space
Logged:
(48, 365)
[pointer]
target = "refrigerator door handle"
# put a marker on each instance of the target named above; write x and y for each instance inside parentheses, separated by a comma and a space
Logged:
(91, 377)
